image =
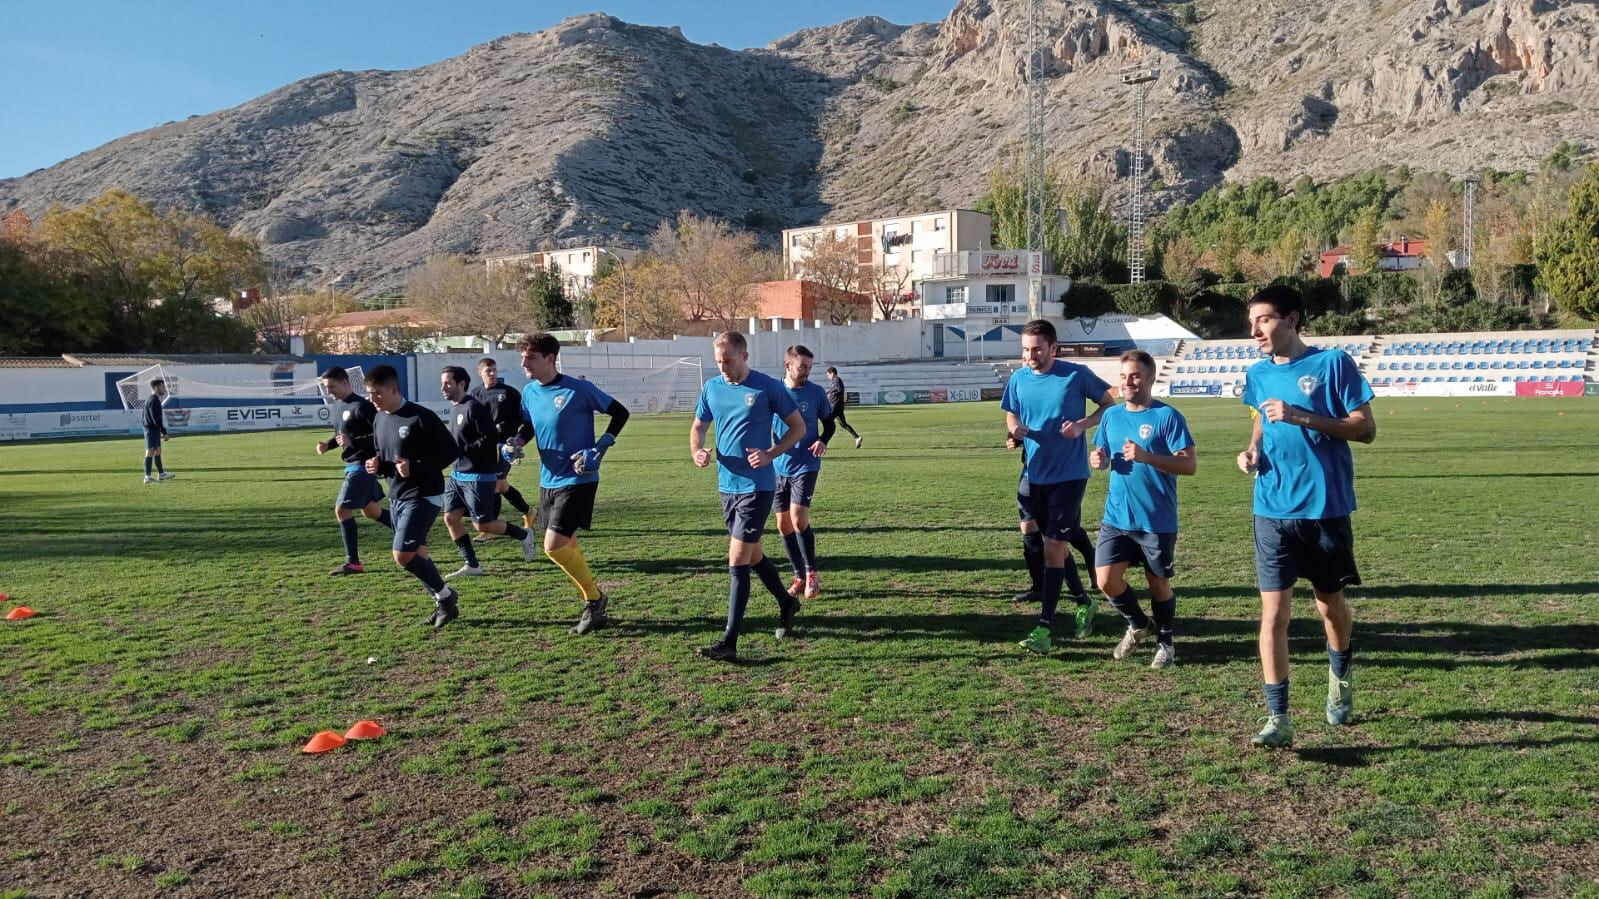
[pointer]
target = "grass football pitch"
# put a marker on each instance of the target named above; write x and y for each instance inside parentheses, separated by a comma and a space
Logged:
(189, 641)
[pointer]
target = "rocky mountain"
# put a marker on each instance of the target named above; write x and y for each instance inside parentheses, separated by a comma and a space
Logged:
(597, 130)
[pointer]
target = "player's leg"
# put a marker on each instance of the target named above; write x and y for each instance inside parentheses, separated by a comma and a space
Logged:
(1277, 559)
(152, 448)
(838, 416)
(1066, 511)
(412, 521)
(1037, 504)
(374, 510)
(1086, 548)
(359, 490)
(455, 507)
(483, 503)
(793, 546)
(760, 564)
(1331, 568)
(1160, 554)
(566, 510)
(802, 523)
(160, 470)
(1032, 546)
(1116, 551)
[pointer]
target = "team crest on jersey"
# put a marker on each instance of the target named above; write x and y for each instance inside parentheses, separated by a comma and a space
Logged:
(1307, 384)
(560, 400)
(1146, 431)
(805, 406)
(347, 415)
(749, 399)
(405, 431)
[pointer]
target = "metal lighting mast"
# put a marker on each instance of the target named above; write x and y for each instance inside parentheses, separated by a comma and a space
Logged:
(1469, 221)
(1139, 78)
(1035, 176)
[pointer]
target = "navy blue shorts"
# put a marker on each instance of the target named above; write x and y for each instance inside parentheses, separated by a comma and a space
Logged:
(746, 514)
(567, 509)
(413, 518)
(1058, 508)
(152, 438)
(1322, 552)
(476, 497)
(1154, 551)
(359, 490)
(795, 491)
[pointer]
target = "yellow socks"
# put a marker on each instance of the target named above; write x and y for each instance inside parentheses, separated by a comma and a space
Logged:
(570, 558)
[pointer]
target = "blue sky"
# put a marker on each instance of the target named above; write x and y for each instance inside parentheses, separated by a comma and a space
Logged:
(79, 73)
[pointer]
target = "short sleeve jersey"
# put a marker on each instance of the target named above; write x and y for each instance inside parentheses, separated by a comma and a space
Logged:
(743, 415)
(1141, 497)
(1304, 473)
(813, 404)
(562, 415)
(1043, 402)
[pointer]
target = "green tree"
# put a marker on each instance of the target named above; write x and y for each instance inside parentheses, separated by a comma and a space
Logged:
(155, 271)
(1568, 251)
(1080, 234)
(40, 313)
(551, 308)
(1365, 239)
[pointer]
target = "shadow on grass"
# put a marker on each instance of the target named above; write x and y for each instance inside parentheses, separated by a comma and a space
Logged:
(1362, 756)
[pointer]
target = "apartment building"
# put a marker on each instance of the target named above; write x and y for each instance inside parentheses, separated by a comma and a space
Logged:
(577, 265)
(907, 244)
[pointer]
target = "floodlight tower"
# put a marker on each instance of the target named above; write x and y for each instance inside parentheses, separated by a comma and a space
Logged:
(1139, 78)
(1035, 153)
(1468, 220)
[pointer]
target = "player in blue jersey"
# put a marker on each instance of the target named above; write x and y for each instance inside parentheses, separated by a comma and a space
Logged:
(561, 409)
(1310, 404)
(353, 415)
(471, 491)
(1145, 445)
(798, 469)
(1044, 405)
(742, 403)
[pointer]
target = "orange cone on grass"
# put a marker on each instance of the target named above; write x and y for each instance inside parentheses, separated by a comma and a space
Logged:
(20, 613)
(364, 730)
(324, 741)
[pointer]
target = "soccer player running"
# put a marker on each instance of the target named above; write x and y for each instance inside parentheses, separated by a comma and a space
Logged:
(561, 411)
(1033, 540)
(413, 449)
(1145, 444)
(471, 490)
(155, 430)
(743, 402)
(1311, 403)
(798, 469)
(353, 416)
(837, 399)
(1044, 402)
(505, 403)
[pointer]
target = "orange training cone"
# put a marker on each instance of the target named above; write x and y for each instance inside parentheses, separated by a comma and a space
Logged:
(19, 613)
(325, 741)
(364, 730)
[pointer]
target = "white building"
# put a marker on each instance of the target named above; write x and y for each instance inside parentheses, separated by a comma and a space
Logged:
(990, 287)
(906, 244)
(577, 265)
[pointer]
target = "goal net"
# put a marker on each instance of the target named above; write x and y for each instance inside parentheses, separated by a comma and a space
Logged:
(271, 384)
(653, 386)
